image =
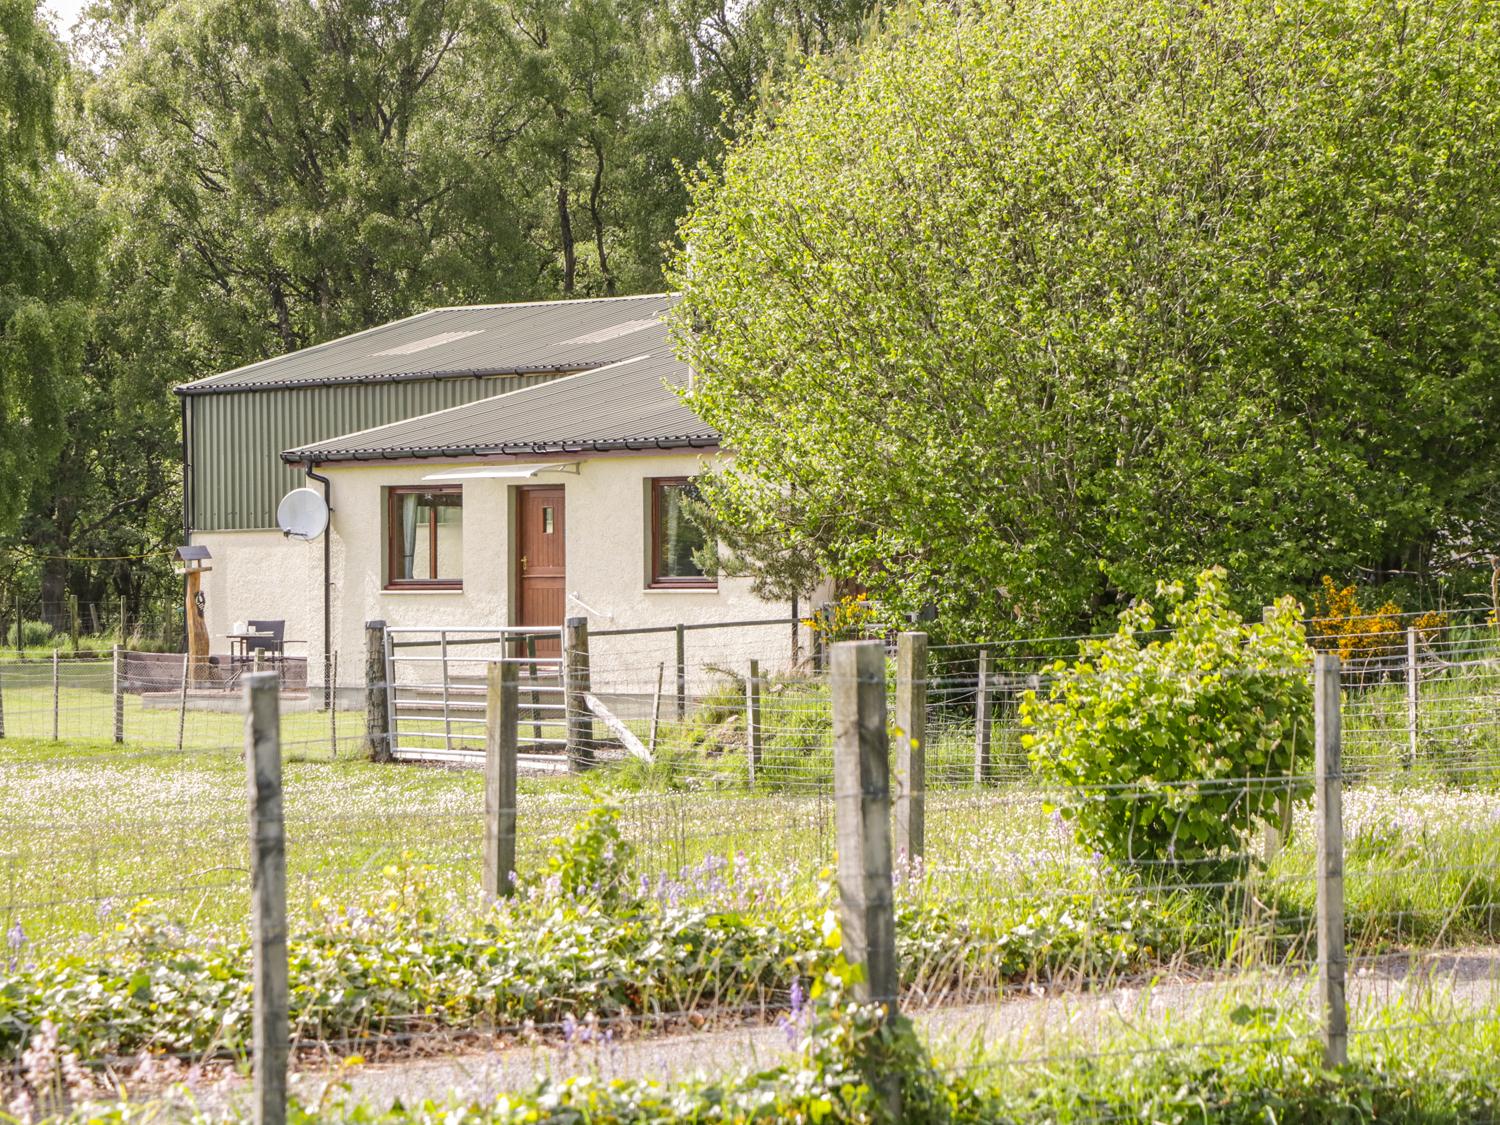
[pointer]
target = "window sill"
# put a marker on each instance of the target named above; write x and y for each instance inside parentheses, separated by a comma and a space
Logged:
(714, 589)
(405, 590)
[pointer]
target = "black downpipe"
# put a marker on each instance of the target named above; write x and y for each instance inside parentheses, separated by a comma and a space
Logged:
(328, 688)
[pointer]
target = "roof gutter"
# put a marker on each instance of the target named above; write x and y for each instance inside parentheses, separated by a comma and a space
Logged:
(535, 449)
(189, 390)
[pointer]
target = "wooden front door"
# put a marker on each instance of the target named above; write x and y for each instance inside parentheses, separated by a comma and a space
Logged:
(541, 573)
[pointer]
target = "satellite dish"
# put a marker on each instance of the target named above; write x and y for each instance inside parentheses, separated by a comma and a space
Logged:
(302, 514)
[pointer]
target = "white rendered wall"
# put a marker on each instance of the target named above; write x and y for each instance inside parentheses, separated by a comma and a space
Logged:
(606, 505)
(605, 511)
(264, 575)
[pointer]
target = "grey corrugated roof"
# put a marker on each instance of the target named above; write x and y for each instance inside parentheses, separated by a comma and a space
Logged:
(479, 340)
(628, 405)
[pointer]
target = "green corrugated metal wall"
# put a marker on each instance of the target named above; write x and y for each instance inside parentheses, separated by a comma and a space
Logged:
(235, 440)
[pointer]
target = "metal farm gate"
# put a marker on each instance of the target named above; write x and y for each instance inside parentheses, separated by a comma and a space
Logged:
(436, 685)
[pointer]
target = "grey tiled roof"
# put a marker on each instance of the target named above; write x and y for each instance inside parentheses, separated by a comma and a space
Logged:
(571, 335)
(627, 405)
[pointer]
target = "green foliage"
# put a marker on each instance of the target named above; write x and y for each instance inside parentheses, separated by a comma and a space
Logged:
(1035, 302)
(593, 861)
(1171, 751)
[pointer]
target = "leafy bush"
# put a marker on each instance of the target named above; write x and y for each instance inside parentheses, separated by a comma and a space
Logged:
(35, 634)
(1172, 751)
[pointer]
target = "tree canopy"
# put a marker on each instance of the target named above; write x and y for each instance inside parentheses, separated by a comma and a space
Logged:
(206, 183)
(1036, 302)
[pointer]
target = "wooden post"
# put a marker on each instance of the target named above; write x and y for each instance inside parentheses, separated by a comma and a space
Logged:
(73, 621)
(20, 631)
(2, 704)
(118, 686)
(197, 625)
(681, 672)
(377, 696)
(661, 672)
(862, 811)
(502, 710)
(752, 721)
(1413, 690)
(580, 720)
(861, 772)
(983, 704)
(271, 998)
(1329, 819)
(187, 663)
(56, 694)
(911, 745)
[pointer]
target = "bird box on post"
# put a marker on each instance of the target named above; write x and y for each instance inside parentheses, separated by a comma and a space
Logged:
(192, 562)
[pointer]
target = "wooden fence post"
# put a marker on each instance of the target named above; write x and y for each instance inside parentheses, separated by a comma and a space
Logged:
(377, 695)
(580, 720)
(661, 671)
(752, 721)
(1329, 819)
(862, 812)
(681, 672)
(502, 712)
(270, 1021)
(117, 660)
(983, 706)
(1413, 700)
(56, 693)
(911, 745)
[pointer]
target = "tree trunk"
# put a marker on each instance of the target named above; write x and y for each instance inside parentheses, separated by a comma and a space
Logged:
(565, 225)
(596, 216)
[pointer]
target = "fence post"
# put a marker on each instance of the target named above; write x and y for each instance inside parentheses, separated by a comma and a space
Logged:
(1329, 819)
(117, 658)
(681, 672)
(911, 745)
(502, 710)
(267, 896)
(1413, 689)
(580, 722)
(377, 697)
(862, 812)
(20, 630)
(56, 694)
(661, 670)
(983, 704)
(73, 622)
(187, 661)
(752, 720)
(2, 705)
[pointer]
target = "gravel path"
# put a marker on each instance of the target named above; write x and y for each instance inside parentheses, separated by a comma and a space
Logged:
(1016, 1024)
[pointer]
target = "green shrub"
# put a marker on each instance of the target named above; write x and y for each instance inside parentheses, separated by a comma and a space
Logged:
(1171, 751)
(35, 634)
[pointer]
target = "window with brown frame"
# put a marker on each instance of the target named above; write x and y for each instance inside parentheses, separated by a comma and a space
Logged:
(425, 538)
(675, 539)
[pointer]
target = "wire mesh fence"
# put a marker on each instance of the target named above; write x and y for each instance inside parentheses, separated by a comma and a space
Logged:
(709, 897)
